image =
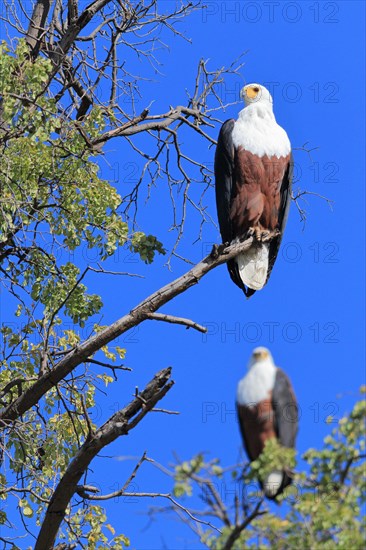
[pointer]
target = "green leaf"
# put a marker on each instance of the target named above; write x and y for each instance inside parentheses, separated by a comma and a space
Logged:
(27, 511)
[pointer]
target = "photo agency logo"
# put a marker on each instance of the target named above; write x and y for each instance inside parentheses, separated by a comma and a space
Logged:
(292, 92)
(222, 412)
(115, 492)
(271, 12)
(123, 256)
(313, 172)
(253, 332)
(250, 492)
(294, 252)
(21, 13)
(12, 334)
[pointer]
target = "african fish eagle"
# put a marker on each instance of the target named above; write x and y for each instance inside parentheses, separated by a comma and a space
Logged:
(267, 408)
(253, 173)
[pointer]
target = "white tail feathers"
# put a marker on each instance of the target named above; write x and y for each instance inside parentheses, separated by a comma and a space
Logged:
(272, 483)
(253, 266)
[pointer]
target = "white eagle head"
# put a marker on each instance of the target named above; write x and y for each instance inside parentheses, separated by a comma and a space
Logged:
(256, 93)
(260, 355)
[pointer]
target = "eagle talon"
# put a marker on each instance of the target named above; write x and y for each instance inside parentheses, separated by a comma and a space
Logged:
(264, 235)
(257, 234)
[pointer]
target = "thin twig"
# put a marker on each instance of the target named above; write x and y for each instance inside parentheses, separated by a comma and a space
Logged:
(177, 320)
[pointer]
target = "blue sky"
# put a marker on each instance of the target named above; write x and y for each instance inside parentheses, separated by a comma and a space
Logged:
(311, 313)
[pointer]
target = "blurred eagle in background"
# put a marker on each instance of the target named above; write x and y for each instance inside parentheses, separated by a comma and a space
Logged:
(253, 172)
(267, 408)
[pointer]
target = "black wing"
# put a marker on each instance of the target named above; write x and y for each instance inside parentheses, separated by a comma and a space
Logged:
(224, 169)
(224, 187)
(285, 410)
(283, 214)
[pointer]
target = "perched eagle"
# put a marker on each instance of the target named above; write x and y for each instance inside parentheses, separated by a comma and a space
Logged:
(266, 408)
(253, 172)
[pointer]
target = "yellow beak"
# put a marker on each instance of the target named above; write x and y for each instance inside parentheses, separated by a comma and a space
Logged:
(260, 355)
(249, 92)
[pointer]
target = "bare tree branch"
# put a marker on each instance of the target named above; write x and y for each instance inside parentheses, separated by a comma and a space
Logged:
(36, 27)
(177, 320)
(238, 529)
(300, 194)
(83, 490)
(121, 423)
(220, 254)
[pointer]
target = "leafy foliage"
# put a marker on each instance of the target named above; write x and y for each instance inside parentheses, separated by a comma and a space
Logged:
(53, 203)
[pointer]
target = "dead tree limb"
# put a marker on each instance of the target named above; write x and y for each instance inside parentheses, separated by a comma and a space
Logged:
(177, 321)
(121, 423)
(220, 255)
